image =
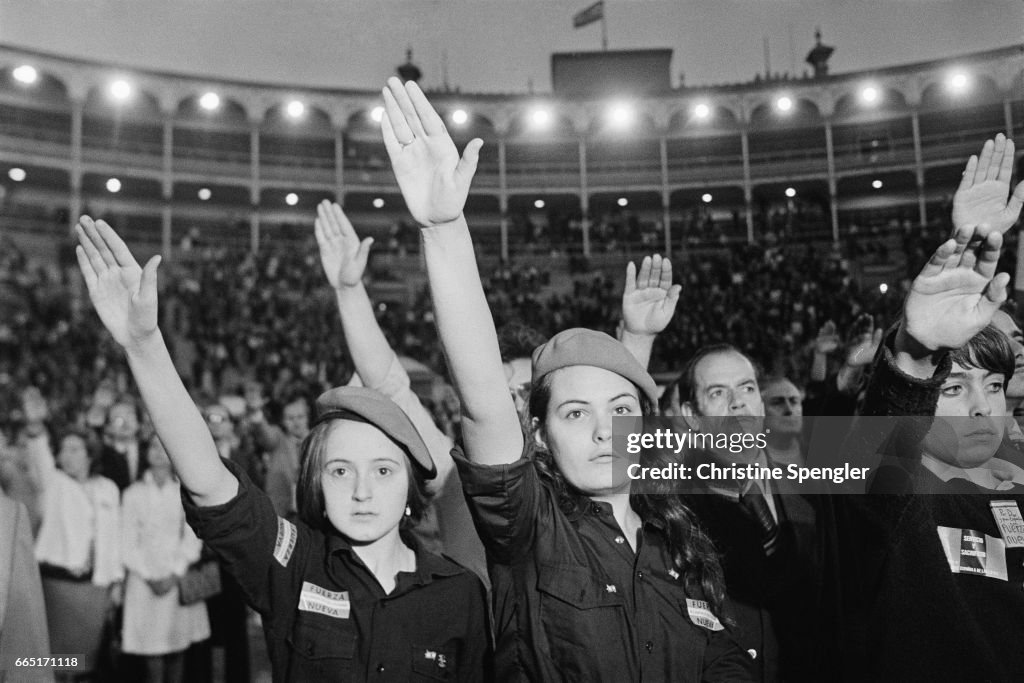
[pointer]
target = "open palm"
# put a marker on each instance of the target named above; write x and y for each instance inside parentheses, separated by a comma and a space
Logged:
(957, 292)
(649, 298)
(123, 294)
(433, 179)
(981, 198)
(342, 255)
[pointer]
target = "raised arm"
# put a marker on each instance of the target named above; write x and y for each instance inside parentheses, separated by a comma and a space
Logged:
(981, 200)
(648, 302)
(125, 297)
(434, 181)
(344, 257)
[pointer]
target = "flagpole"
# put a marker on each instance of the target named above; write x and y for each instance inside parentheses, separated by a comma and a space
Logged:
(604, 31)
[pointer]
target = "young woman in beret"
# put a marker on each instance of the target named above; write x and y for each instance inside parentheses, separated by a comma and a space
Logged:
(345, 593)
(590, 582)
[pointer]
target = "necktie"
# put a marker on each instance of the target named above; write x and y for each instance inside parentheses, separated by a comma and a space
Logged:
(757, 505)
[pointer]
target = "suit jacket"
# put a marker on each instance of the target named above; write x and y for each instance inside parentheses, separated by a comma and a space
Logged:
(773, 600)
(113, 465)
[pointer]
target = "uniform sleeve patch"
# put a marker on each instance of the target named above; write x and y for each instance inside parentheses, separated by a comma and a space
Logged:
(287, 534)
(701, 614)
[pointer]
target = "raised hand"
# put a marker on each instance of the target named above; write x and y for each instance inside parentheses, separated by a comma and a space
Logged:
(981, 198)
(433, 179)
(649, 299)
(123, 294)
(342, 255)
(864, 342)
(827, 340)
(957, 292)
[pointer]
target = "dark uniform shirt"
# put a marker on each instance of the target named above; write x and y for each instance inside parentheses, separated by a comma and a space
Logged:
(326, 617)
(573, 602)
(929, 590)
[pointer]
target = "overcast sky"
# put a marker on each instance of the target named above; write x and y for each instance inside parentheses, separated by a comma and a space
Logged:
(498, 45)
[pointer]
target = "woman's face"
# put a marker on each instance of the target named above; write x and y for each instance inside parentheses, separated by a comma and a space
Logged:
(365, 481)
(73, 457)
(577, 428)
(970, 418)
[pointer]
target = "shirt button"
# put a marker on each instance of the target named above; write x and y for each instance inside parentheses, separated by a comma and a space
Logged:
(620, 539)
(753, 653)
(649, 645)
(380, 668)
(640, 575)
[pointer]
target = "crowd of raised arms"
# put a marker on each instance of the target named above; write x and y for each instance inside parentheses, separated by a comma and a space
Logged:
(494, 534)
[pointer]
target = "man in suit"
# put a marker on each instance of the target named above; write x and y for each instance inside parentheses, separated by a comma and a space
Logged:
(766, 533)
(120, 460)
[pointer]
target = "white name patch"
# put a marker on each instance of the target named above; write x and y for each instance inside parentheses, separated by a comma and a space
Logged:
(701, 614)
(322, 601)
(287, 534)
(1011, 524)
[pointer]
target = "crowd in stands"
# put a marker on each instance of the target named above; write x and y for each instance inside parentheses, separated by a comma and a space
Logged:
(272, 317)
(256, 336)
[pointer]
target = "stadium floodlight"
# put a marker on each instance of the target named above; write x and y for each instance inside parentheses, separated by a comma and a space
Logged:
(205, 194)
(295, 109)
(377, 113)
(883, 288)
(790, 192)
(291, 199)
(621, 115)
(25, 74)
(958, 82)
(869, 94)
(706, 197)
(120, 90)
(459, 117)
(16, 174)
(784, 104)
(622, 201)
(113, 185)
(539, 204)
(209, 101)
(540, 118)
(877, 184)
(702, 111)
(378, 203)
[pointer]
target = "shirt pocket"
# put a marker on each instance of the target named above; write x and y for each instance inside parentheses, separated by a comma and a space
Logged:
(433, 664)
(577, 610)
(320, 650)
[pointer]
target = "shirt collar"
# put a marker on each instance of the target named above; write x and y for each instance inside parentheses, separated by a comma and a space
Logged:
(428, 565)
(996, 474)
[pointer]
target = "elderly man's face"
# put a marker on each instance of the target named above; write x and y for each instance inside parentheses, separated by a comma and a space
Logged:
(783, 407)
(726, 396)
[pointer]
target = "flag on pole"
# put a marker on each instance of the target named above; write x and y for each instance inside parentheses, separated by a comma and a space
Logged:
(588, 16)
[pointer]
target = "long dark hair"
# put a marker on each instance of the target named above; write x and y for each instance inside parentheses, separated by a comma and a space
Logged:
(309, 492)
(691, 549)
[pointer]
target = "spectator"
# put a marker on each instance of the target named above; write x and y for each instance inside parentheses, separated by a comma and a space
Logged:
(158, 549)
